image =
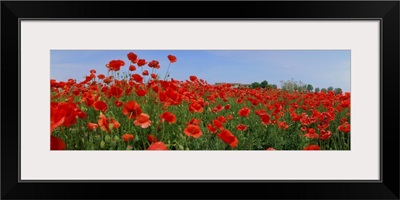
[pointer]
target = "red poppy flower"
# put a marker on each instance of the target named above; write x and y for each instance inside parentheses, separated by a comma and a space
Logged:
(100, 105)
(345, 103)
(227, 106)
(57, 117)
(271, 149)
(172, 58)
(158, 146)
(80, 113)
(325, 134)
(137, 78)
(107, 80)
(344, 127)
(193, 130)
(244, 112)
(168, 117)
(92, 126)
(94, 88)
(311, 133)
(195, 107)
(132, 57)
(101, 76)
(141, 62)
(312, 147)
(260, 112)
(92, 71)
(152, 138)
(70, 113)
(154, 76)
(105, 123)
(227, 137)
(241, 127)
(131, 109)
(217, 124)
(222, 119)
(56, 143)
(145, 73)
(116, 91)
(173, 95)
(239, 100)
(295, 117)
(143, 120)
(141, 93)
(115, 65)
(127, 137)
(88, 99)
(194, 121)
(265, 119)
(154, 64)
(193, 78)
(283, 125)
(118, 103)
(217, 108)
(230, 117)
(132, 68)
(211, 128)
(92, 76)
(343, 120)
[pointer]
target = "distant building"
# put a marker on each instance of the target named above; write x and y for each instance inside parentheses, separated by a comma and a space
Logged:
(235, 85)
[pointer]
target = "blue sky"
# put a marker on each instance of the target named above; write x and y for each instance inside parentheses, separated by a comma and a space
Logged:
(320, 68)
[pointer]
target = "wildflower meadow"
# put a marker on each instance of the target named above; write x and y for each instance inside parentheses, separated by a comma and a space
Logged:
(133, 107)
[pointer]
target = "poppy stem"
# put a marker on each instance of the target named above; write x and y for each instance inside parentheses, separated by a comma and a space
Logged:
(187, 144)
(167, 73)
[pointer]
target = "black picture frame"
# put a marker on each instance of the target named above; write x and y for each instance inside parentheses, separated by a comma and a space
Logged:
(386, 11)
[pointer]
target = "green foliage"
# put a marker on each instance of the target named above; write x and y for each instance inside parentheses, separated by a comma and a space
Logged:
(310, 88)
(264, 84)
(317, 89)
(292, 85)
(338, 90)
(330, 88)
(255, 85)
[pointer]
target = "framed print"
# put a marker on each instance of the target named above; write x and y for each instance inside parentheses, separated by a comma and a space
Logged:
(299, 96)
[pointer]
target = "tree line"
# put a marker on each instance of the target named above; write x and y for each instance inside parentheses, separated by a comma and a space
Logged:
(293, 85)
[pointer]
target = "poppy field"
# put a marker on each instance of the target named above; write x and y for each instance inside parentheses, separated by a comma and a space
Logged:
(133, 107)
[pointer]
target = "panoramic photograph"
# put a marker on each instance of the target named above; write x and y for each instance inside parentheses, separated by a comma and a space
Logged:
(209, 100)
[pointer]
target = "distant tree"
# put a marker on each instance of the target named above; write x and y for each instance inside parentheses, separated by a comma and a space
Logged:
(287, 85)
(323, 90)
(317, 89)
(274, 87)
(303, 88)
(292, 85)
(295, 87)
(255, 85)
(310, 87)
(330, 88)
(338, 90)
(264, 84)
